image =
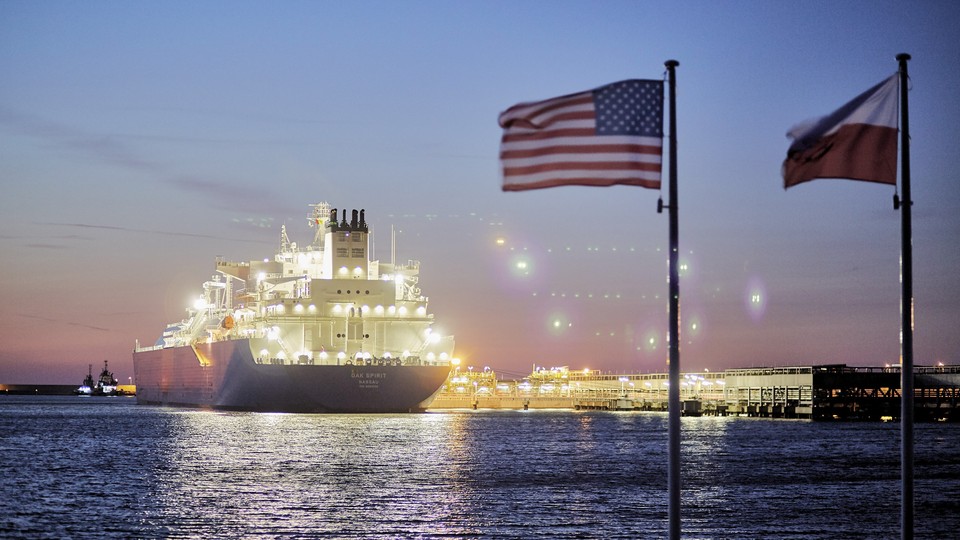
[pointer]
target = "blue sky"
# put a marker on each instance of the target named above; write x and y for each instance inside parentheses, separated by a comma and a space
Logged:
(139, 140)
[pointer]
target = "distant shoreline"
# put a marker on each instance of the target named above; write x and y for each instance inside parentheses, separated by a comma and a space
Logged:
(53, 389)
(38, 389)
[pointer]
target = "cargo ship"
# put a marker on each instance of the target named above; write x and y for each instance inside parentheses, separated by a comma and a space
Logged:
(320, 329)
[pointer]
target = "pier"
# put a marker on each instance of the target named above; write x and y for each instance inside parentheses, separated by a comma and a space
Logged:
(824, 392)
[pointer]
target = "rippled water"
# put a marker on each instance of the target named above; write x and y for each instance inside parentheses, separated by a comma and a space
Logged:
(105, 467)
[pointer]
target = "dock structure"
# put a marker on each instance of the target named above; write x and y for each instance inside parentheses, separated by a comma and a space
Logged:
(785, 392)
(823, 392)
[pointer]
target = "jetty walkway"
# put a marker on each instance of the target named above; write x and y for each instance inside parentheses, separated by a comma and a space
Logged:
(823, 392)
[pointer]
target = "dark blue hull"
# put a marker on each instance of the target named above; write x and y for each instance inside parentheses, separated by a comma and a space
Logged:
(224, 375)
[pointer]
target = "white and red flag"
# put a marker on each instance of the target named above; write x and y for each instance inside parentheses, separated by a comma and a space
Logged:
(606, 136)
(857, 141)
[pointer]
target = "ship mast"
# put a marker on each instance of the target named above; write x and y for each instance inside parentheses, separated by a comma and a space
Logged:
(284, 239)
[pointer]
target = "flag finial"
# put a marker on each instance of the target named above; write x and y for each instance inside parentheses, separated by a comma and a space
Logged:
(903, 56)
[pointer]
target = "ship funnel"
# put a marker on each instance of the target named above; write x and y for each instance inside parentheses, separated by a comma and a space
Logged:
(353, 221)
(363, 220)
(332, 221)
(343, 223)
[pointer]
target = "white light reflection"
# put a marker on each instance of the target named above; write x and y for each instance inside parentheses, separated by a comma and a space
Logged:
(230, 462)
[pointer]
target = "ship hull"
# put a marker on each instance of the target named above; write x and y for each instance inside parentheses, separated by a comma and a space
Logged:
(225, 375)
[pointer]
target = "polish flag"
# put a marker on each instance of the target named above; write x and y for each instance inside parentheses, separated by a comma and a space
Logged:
(857, 141)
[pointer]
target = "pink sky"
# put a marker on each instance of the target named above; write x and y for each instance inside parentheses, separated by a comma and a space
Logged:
(136, 147)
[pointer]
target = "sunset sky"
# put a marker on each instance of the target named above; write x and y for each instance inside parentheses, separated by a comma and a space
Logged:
(140, 140)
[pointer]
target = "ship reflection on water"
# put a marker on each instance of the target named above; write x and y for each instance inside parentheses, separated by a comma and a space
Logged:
(288, 475)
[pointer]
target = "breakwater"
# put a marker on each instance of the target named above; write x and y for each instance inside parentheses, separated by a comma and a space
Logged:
(54, 389)
(38, 389)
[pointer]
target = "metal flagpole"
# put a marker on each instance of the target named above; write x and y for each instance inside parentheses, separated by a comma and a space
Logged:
(673, 399)
(906, 314)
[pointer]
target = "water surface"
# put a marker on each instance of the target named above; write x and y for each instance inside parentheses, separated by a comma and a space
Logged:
(105, 467)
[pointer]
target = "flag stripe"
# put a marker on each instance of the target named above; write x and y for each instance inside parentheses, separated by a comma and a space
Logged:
(566, 118)
(600, 174)
(588, 151)
(581, 166)
(527, 113)
(855, 151)
(593, 179)
(607, 136)
(580, 178)
(517, 135)
(651, 144)
(582, 161)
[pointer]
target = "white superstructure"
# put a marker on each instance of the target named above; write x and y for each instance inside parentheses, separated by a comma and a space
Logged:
(325, 304)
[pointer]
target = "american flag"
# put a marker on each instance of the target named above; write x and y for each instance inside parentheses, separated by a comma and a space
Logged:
(606, 136)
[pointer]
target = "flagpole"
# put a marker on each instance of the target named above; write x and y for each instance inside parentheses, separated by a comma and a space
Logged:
(906, 315)
(673, 399)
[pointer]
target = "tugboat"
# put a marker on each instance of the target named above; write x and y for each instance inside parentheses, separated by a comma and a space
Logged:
(106, 385)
